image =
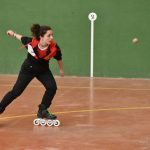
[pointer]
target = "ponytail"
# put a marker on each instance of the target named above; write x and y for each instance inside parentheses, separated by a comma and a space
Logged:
(38, 30)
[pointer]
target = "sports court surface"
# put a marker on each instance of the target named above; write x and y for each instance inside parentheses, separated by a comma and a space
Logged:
(95, 114)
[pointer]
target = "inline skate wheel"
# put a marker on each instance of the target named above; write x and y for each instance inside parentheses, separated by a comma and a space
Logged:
(56, 123)
(50, 123)
(42, 122)
(36, 122)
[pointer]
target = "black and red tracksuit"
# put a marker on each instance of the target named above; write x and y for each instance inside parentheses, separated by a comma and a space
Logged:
(35, 66)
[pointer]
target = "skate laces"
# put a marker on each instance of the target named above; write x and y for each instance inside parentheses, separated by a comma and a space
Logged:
(50, 113)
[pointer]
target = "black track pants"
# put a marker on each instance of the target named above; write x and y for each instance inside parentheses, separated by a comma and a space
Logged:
(24, 78)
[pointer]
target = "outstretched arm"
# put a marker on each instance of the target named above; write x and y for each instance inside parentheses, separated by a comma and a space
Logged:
(14, 34)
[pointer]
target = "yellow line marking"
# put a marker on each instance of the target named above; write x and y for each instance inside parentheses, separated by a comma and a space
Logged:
(81, 111)
(83, 87)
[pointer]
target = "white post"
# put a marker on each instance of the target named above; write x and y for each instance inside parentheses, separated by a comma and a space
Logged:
(92, 17)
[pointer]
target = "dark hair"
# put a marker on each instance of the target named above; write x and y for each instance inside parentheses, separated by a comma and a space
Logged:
(38, 30)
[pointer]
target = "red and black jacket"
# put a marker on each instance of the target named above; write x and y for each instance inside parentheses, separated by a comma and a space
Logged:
(40, 64)
(52, 51)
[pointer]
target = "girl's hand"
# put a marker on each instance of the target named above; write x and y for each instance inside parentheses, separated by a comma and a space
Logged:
(10, 33)
(61, 73)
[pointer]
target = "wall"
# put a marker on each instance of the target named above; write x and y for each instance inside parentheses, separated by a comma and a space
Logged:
(118, 22)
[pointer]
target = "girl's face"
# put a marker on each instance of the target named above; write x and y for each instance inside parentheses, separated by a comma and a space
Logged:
(47, 38)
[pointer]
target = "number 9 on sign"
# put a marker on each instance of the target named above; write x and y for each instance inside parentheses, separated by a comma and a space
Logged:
(92, 16)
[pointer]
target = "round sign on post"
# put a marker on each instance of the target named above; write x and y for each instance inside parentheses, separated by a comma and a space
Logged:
(92, 17)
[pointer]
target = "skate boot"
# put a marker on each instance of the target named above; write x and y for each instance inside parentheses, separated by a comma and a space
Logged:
(46, 114)
(45, 117)
(2, 109)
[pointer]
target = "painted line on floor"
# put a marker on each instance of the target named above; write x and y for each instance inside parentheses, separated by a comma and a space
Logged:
(83, 87)
(80, 111)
